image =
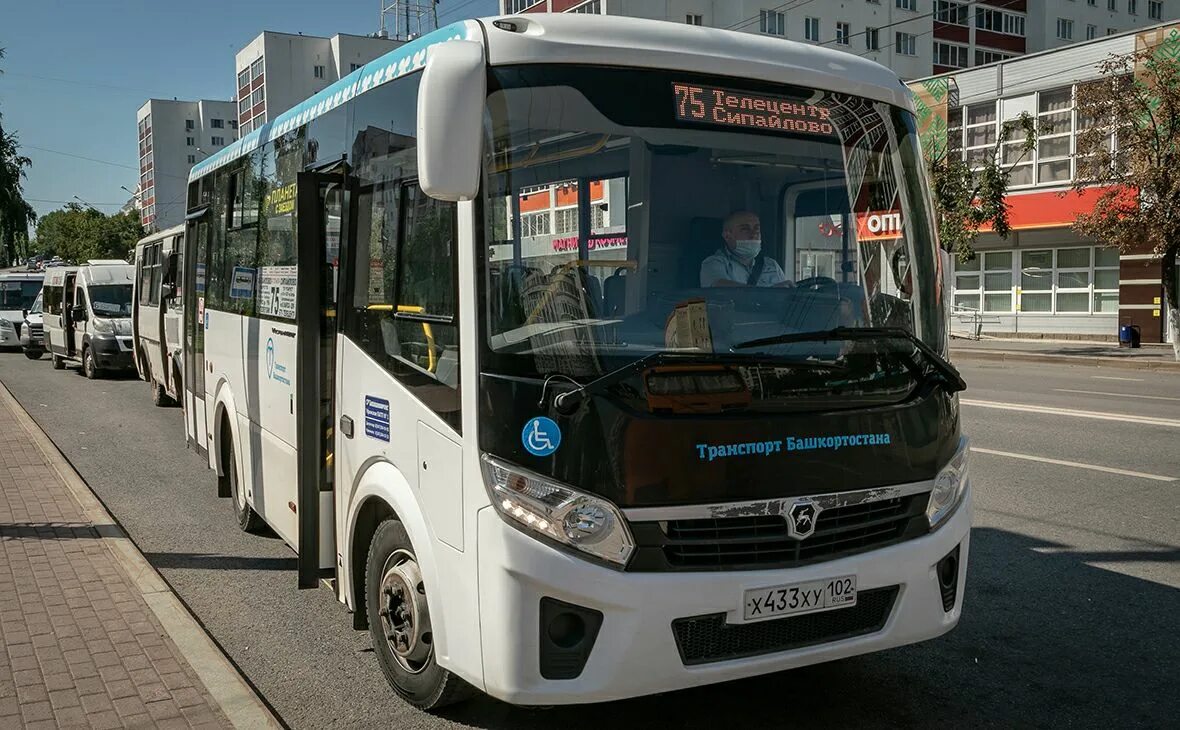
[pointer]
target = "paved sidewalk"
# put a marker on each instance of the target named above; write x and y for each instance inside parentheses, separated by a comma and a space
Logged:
(83, 642)
(1097, 354)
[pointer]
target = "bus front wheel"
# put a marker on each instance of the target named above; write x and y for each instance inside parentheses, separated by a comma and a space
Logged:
(89, 367)
(399, 623)
(248, 519)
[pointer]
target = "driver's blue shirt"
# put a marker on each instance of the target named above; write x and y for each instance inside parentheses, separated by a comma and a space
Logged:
(724, 265)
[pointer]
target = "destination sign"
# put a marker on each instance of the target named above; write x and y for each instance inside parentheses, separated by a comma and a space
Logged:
(727, 107)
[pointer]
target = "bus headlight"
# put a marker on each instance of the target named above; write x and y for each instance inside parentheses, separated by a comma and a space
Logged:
(546, 509)
(949, 487)
(102, 325)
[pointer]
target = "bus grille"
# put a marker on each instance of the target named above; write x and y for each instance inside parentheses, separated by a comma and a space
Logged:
(734, 543)
(705, 639)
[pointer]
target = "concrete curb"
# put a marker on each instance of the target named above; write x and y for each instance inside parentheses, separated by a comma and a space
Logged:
(1079, 360)
(228, 688)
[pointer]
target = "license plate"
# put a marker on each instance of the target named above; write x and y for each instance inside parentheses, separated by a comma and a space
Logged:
(797, 598)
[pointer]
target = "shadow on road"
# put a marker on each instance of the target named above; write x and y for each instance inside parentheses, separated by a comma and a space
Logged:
(204, 561)
(1046, 640)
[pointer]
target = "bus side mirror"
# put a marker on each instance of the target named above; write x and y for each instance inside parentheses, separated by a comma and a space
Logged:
(79, 313)
(450, 120)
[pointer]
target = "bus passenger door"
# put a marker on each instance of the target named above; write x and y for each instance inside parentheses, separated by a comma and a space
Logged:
(323, 202)
(196, 253)
(172, 310)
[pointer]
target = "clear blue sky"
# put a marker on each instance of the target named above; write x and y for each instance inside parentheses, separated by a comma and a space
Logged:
(76, 71)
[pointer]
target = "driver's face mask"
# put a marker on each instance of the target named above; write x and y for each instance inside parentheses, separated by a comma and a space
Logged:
(747, 248)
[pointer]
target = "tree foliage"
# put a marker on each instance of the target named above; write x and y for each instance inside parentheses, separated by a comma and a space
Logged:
(1131, 123)
(966, 200)
(76, 234)
(16, 215)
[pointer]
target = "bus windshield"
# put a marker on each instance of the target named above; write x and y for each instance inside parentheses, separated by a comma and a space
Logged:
(111, 300)
(698, 215)
(16, 295)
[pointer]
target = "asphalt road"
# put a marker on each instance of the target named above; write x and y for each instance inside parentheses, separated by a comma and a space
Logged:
(1072, 614)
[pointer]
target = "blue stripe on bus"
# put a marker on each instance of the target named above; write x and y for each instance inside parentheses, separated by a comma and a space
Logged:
(403, 60)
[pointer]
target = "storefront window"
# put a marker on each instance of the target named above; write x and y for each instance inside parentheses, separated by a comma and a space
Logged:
(997, 281)
(967, 284)
(1106, 280)
(1075, 280)
(1036, 281)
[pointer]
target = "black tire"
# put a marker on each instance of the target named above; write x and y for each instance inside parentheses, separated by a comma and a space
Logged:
(248, 519)
(89, 367)
(417, 679)
(160, 397)
(34, 354)
(58, 363)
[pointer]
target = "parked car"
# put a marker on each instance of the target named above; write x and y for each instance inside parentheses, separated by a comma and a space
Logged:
(32, 335)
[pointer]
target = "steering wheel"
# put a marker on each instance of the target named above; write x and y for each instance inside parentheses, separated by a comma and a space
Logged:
(816, 282)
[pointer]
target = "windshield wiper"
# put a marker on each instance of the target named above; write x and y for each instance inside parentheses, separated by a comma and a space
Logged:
(568, 402)
(948, 376)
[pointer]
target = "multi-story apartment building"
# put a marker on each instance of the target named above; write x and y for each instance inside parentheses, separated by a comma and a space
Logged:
(173, 136)
(913, 37)
(1044, 278)
(276, 71)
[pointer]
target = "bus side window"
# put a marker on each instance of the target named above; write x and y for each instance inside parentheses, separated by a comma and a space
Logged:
(404, 295)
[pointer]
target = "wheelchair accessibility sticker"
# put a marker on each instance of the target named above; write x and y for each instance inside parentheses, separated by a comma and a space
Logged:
(541, 436)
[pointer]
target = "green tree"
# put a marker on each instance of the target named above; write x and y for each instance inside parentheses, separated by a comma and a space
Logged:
(965, 200)
(1128, 147)
(76, 234)
(16, 215)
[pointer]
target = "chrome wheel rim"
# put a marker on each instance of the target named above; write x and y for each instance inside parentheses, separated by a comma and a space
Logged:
(405, 618)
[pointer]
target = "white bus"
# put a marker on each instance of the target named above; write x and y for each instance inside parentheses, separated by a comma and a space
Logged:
(157, 311)
(471, 331)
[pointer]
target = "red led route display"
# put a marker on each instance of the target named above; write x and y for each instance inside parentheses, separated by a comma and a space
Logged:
(730, 108)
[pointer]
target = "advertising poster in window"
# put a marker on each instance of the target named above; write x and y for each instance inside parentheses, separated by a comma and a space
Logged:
(930, 110)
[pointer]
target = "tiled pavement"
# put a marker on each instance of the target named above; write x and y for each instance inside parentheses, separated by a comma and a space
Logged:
(80, 645)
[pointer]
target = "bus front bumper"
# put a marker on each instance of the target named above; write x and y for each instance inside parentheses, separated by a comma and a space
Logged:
(636, 650)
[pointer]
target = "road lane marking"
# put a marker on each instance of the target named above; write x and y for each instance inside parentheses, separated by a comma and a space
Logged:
(1123, 417)
(1075, 464)
(1119, 395)
(1111, 377)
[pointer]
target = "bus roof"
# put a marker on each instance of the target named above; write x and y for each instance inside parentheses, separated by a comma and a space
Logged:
(160, 235)
(600, 40)
(608, 40)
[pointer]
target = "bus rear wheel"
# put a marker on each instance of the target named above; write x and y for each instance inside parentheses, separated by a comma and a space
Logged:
(160, 397)
(58, 363)
(399, 623)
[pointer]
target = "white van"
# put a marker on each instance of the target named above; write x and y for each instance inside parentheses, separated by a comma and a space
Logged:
(157, 310)
(17, 292)
(88, 315)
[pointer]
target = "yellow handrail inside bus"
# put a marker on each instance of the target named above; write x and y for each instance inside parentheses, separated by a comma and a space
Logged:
(431, 357)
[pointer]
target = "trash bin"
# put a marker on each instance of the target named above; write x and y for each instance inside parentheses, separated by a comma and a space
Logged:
(1125, 335)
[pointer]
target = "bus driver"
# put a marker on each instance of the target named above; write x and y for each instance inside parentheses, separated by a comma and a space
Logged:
(739, 262)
